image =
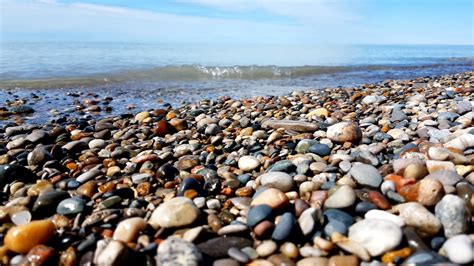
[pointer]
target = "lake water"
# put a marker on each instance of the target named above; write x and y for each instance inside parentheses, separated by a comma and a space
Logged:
(142, 73)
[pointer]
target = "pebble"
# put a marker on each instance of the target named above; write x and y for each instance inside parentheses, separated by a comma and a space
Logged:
(377, 236)
(366, 175)
(22, 238)
(176, 212)
(307, 220)
(271, 197)
(258, 214)
(176, 251)
(416, 215)
(248, 163)
(343, 197)
(238, 255)
(384, 215)
(285, 227)
(266, 248)
(459, 249)
(71, 206)
(278, 180)
(344, 132)
(453, 215)
(128, 229)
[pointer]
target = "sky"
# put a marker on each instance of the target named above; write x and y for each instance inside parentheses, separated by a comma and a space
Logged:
(240, 21)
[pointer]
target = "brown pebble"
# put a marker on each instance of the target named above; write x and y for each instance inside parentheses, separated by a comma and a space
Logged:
(39, 255)
(340, 260)
(264, 229)
(379, 200)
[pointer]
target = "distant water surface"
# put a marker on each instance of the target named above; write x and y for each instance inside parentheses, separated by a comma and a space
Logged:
(141, 73)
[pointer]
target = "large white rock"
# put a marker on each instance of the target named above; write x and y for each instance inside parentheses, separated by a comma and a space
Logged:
(459, 249)
(376, 235)
(248, 163)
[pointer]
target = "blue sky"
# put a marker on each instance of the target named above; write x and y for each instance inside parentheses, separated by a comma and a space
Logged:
(240, 21)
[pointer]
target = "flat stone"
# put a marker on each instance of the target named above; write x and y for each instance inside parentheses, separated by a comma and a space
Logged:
(377, 236)
(453, 215)
(219, 246)
(176, 251)
(416, 215)
(278, 180)
(320, 149)
(291, 125)
(343, 197)
(176, 212)
(366, 175)
(446, 177)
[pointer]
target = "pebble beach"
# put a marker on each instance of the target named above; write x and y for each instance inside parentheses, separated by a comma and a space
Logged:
(375, 174)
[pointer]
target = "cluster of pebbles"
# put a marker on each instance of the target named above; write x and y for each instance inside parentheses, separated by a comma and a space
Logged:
(381, 173)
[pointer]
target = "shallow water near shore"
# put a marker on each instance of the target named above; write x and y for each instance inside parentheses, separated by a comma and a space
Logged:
(45, 76)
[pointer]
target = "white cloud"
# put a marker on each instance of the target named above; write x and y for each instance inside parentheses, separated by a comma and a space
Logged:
(48, 19)
(305, 10)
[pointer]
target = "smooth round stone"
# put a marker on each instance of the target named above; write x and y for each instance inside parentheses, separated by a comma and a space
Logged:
(251, 252)
(71, 206)
(232, 229)
(21, 217)
(383, 215)
(424, 258)
(343, 197)
(459, 249)
(271, 197)
(430, 192)
(258, 214)
(335, 226)
(307, 220)
(320, 149)
(344, 132)
(366, 175)
(238, 255)
(387, 186)
(453, 215)
(248, 163)
(285, 227)
(226, 262)
(313, 261)
(342, 260)
(189, 183)
(446, 177)
(304, 144)
(177, 251)
(338, 215)
(243, 179)
(415, 171)
(97, 144)
(47, 201)
(14, 172)
(22, 238)
(416, 215)
(128, 229)
(364, 206)
(213, 204)
(278, 180)
(286, 166)
(290, 250)
(267, 248)
(377, 236)
(176, 212)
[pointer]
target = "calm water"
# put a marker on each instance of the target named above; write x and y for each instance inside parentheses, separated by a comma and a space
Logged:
(140, 74)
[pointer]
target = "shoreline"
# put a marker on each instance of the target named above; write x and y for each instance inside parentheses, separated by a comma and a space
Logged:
(378, 173)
